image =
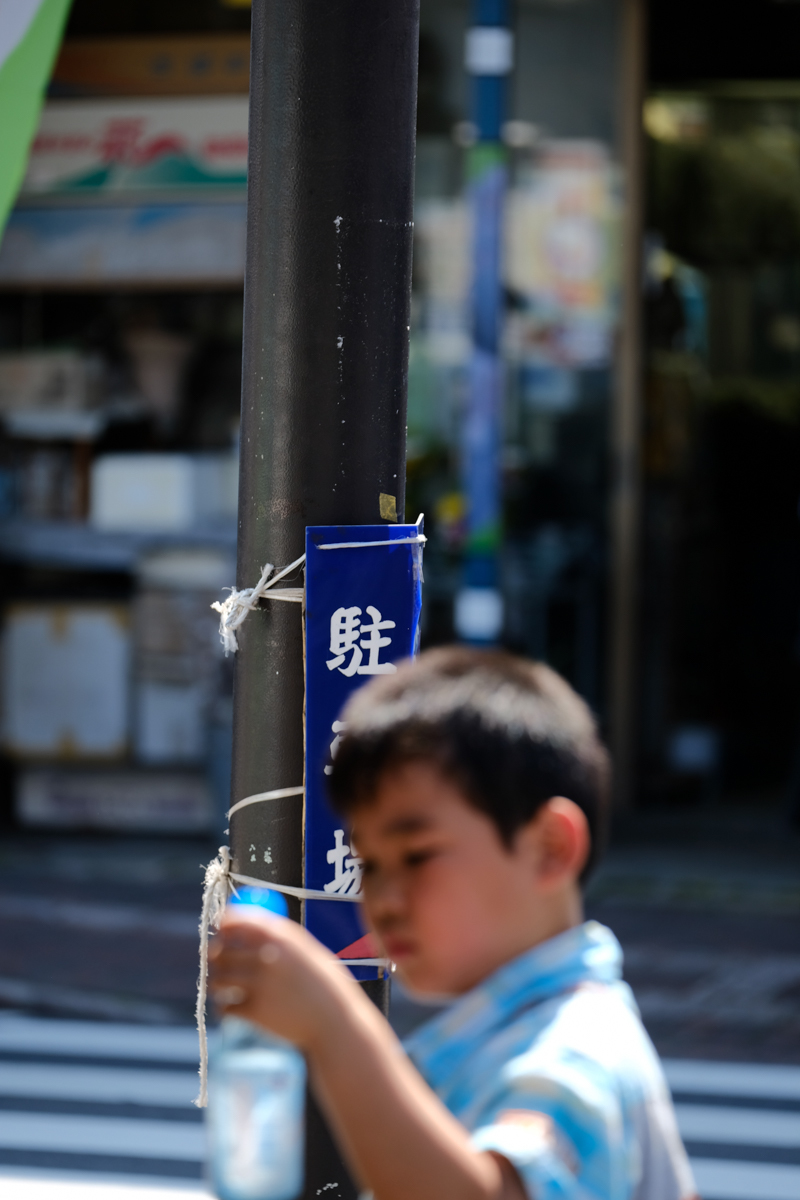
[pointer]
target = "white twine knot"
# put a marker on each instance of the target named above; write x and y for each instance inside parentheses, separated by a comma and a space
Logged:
(233, 610)
(216, 889)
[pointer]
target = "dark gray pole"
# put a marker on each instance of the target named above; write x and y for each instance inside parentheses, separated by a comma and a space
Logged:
(327, 295)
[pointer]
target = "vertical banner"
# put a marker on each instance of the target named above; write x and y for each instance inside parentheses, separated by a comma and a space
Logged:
(363, 597)
(30, 34)
(489, 59)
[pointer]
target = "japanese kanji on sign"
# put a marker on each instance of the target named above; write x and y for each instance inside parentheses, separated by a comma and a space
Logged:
(362, 617)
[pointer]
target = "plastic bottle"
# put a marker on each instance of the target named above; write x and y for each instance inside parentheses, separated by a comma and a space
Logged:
(256, 1101)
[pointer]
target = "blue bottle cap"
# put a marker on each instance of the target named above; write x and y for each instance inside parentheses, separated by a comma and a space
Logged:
(266, 898)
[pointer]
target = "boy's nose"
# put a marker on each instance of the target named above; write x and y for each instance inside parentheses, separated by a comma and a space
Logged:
(384, 899)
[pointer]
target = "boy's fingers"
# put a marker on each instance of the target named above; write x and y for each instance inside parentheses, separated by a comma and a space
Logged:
(241, 968)
(223, 979)
(234, 955)
(247, 930)
(229, 997)
(242, 975)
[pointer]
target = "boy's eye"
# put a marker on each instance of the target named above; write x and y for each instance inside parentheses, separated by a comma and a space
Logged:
(416, 858)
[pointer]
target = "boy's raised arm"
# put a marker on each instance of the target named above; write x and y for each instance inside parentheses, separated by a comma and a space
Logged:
(399, 1139)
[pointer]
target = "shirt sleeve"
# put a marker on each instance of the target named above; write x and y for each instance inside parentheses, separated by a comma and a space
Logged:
(534, 1146)
(569, 1136)
(563, 1133)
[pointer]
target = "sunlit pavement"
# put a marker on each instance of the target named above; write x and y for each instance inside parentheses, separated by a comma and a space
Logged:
(98, 1110)
(106, 928)
(38, 1186)
(102, 1111)
(105, 931)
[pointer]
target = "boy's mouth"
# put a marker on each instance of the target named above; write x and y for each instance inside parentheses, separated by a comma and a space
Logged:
(397, 948)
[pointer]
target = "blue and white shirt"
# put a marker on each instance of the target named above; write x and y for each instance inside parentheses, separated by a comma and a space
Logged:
(547, 1063)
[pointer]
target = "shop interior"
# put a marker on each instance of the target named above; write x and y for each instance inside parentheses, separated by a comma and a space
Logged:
(120, 363)
(719, 666)
(120, 354)
(120, 335)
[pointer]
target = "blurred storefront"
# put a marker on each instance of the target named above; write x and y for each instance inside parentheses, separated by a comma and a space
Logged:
(121, 276)
(120, 324)
(560, 280)
(120, 335)
(720, 619)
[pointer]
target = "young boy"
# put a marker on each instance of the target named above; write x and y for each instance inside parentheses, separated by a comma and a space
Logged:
(476, 789)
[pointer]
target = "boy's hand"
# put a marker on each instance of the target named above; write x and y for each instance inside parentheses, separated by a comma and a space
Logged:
(274, 973)
(400, 1139)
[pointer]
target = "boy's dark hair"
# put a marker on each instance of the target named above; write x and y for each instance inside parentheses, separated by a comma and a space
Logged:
(509, 732)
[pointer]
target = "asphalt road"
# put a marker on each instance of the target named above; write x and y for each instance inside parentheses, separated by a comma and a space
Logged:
(106, 928)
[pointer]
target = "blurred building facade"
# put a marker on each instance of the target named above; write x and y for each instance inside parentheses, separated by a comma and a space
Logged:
(120, 335)
(720, 599)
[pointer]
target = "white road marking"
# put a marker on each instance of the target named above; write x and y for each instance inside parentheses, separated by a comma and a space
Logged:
(99, 1039)
(118, 1085)
(724, 1180)
(24, 1186)
(733, 1079)
(174, 1082)
(130, 1136)
(738, 1126)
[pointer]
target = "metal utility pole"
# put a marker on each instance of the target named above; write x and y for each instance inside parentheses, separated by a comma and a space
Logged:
(325, 356)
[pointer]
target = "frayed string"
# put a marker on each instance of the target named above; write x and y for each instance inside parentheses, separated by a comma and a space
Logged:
(216, 890)
(233, 610)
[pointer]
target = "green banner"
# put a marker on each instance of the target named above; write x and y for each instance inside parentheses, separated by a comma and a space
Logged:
(30, 35)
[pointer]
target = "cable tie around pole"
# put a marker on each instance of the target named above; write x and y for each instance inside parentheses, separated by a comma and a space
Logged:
(233, 610)
(419, 540)
(298, 893)
(277, 794)
(386, 963)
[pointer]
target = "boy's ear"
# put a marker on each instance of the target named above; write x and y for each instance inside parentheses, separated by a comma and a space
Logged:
(557, 839)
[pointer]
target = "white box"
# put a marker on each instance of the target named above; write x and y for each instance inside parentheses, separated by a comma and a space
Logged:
(162, 493)
(150, 492)
(143, 801)
(170, 722)
(65, 680)
(59, 380)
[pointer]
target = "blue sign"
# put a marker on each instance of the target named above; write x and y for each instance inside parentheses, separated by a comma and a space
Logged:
(363, 597)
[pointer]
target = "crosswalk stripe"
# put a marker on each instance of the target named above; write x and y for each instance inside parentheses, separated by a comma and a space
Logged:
(61, 1187)
(736, 1111)
(118, 1086)
(724, 1180)
(733, 1079)
(98, 1039)
(738, 1126)
(131, 1137)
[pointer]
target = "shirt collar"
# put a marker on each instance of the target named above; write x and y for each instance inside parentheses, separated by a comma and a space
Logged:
(587, 953)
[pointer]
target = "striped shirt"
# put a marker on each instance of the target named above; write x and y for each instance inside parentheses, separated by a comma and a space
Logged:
(547, 1063)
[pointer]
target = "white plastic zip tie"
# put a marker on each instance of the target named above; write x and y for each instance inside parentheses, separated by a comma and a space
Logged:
(235, 608)
(366, 962)
(419, 540)
(298, 892)
(277, 794)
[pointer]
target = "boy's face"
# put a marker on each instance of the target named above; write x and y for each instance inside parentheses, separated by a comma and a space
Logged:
(446, 898)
